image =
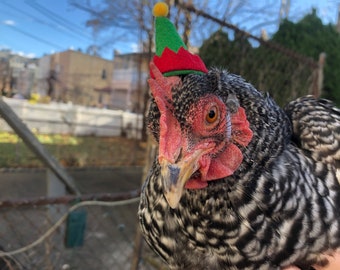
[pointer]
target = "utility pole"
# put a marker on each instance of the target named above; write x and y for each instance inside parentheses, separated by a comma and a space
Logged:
(338, 22)
(284, 10)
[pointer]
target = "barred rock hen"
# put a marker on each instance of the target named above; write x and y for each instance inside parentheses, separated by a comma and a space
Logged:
(238, 182)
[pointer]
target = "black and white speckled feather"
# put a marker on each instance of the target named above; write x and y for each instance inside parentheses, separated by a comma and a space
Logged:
(282, 205)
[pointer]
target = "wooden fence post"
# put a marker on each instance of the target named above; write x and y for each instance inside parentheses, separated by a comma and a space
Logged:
(138, 242)
(317, 83)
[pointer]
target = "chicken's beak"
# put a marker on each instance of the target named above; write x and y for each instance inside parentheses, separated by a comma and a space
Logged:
(175, 175)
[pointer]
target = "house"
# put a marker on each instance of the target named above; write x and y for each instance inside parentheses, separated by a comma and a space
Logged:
(129, 81)
(17, 74)
(72, 76)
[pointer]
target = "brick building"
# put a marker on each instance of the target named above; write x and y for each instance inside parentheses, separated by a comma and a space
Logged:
(129, 81)
(17, 74)
(73, 76)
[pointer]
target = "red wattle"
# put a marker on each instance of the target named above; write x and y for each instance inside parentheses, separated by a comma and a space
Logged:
(226, 162)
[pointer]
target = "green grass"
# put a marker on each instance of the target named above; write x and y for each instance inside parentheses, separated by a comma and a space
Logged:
(73, 151)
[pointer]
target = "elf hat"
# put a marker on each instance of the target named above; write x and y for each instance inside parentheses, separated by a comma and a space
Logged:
(172, 56)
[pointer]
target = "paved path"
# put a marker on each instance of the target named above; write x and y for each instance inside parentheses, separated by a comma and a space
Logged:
(22, 183)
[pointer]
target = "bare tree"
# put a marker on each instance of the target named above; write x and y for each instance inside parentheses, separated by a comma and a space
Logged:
(132, 21)
(119, 21)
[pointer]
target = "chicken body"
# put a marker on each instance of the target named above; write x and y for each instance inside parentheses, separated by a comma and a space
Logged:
(280, 207)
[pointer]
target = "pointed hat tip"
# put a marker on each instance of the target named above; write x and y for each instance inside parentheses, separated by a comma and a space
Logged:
(160, 9)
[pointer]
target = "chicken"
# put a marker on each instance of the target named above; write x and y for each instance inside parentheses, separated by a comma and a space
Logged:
(240, 183)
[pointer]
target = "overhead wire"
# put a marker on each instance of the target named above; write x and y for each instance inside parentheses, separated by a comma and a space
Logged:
(13, 27)
(58, 19)
(47, 23)
(55, 22)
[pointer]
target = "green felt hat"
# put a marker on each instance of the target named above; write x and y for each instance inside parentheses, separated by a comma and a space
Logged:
(172, 56)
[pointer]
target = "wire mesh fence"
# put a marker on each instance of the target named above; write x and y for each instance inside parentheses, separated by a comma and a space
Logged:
(269, 66)
(59, 234)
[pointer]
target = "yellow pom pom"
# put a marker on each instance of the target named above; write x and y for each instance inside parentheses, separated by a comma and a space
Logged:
(160, 9)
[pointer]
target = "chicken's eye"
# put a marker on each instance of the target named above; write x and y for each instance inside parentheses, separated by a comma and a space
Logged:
(212, 115)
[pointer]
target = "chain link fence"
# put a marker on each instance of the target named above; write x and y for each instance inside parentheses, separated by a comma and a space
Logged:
(66, 233)
(269, 66)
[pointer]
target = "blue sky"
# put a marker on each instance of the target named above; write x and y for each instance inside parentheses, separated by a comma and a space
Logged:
(38, 27)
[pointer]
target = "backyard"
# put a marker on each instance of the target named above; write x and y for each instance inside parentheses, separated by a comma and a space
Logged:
(73, 151)
(107, 171)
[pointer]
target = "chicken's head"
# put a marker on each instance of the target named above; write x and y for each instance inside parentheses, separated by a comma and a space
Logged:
(199, 137)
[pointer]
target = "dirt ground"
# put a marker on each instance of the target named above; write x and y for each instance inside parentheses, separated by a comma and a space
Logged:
(75, 152)
(27, 182)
